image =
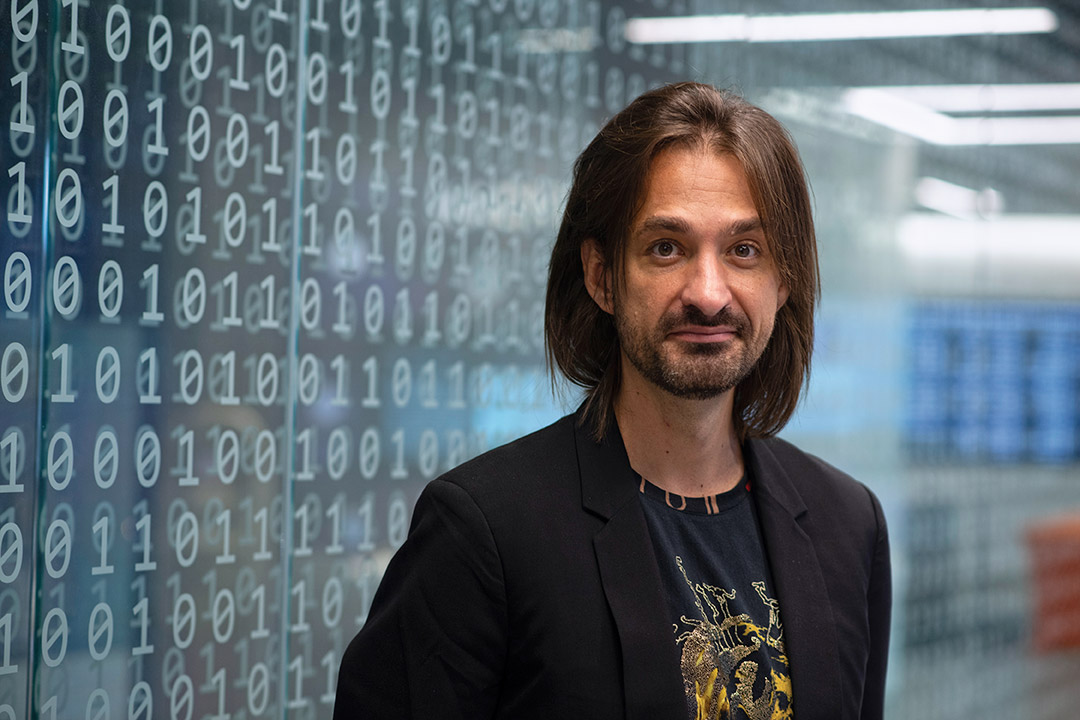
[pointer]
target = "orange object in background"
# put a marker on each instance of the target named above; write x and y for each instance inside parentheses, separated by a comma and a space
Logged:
(1054, 544)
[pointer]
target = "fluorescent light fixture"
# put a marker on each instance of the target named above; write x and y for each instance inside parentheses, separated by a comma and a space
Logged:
(899, 114)
(905, 116)
(1047, 240)
(803, 27)
(1015, 97)
(1050, 130)
(957, 200)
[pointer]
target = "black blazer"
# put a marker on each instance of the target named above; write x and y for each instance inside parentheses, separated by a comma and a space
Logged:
(528, 588)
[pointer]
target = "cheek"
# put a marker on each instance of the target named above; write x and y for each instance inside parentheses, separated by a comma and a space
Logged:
(643, 298)
(772, 292)
(765, 303)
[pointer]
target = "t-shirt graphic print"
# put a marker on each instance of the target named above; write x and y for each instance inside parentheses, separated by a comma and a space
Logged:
(732, 667)
(718, 589)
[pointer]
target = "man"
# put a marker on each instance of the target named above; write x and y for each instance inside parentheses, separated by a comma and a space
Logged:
(658, 554)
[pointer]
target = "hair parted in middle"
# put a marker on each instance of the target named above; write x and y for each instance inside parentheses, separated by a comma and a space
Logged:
(609, 184)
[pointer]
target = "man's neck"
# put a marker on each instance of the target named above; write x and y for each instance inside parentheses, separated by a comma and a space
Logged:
(684, 446)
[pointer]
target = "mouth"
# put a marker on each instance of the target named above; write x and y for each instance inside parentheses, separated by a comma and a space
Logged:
(704, 334)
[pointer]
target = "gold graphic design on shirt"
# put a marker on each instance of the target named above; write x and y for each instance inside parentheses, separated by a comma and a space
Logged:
(725, 658)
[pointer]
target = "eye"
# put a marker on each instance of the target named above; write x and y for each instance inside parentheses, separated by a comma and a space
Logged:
(746, 251)
(664, 249)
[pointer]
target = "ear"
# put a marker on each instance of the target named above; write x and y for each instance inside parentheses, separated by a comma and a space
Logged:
(781, 295)
(597, 277)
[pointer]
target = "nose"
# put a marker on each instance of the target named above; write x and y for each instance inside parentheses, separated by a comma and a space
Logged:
(706, 285)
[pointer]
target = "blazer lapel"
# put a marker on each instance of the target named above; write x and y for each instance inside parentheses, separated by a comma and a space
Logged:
(652, 681)
(806, 612)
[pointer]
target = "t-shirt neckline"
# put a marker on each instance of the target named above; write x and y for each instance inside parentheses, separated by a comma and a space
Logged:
(700, 505)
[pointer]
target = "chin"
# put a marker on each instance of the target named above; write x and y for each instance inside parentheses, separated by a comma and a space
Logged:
(698, 393)
(708, 348)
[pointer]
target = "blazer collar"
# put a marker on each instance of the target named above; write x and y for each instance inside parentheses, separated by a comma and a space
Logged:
(805, 608)
(607, 480)
(652, 681)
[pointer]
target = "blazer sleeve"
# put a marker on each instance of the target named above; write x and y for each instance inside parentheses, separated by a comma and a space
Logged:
(434, 644)
(879, 613)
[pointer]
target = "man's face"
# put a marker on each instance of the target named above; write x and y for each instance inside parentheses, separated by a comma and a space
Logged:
(701, 288)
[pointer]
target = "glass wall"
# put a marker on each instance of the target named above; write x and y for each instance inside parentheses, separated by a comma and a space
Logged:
(271, 265)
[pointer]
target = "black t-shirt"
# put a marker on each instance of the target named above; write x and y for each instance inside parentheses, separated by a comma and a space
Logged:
(721, 602)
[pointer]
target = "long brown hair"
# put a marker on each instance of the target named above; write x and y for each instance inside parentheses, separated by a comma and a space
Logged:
(607, 192)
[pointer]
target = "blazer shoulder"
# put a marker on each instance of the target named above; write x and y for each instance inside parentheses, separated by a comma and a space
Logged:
(790, 454)
(536, 462)
(818, 483)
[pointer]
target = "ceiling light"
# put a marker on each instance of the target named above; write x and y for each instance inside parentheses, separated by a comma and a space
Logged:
(900, 114)
(957, 200)
(921, 122)
(1015, 97)
(841, 26)
(1050, 130)
(1049, 240)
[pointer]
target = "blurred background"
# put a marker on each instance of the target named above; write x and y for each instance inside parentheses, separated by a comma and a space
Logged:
(271, 265)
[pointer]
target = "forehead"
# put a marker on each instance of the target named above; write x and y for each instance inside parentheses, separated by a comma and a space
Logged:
(696, 186)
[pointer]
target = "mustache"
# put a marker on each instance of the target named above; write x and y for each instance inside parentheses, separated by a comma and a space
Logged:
(691, 315)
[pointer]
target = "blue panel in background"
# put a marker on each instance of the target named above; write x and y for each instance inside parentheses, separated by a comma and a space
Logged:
(993, 382)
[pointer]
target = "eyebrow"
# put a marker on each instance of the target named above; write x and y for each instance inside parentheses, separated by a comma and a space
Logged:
(668, 223)
(740, 227)
(664, 223)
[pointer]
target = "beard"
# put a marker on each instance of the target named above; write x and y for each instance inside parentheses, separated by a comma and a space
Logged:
(696, 371)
